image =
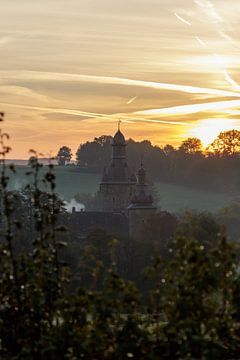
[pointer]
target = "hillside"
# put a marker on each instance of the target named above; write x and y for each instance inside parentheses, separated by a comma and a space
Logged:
(172, 197)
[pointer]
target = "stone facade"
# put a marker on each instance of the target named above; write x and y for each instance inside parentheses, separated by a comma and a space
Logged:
(125, 202)
(118, 182)
(83, 222)
(141, 208)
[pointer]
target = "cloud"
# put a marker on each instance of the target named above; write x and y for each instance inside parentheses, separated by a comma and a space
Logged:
(5, 40)
(231, 81)
(110, 80)
(88, 115)
(23, 91)
(209, 9)
(191, 109)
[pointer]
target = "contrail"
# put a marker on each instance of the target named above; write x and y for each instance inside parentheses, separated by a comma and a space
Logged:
(190, 109)
(124, 117)
(131, 100)
(209, 10)
(57, 110)
(227, 37)
(141, 115)
(231, 81)
(182, 19)
(200, 41)
(65, 77)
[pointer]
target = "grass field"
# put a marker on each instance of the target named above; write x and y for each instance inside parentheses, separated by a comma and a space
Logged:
(172, 197)
(176, 198)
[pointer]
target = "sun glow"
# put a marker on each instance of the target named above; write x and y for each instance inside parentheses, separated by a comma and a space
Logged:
(208, 129)
(215, 61)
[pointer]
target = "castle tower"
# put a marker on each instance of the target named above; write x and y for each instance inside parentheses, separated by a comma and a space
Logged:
(141, 207)
(118, 182)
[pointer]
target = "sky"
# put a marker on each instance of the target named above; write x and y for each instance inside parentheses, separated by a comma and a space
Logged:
(69, 70)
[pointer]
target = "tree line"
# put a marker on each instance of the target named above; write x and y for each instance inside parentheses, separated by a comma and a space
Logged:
(216, 167)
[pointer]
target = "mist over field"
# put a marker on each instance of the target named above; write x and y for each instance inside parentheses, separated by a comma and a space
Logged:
(70, 181)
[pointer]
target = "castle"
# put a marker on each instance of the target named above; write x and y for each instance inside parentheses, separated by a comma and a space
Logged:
(124, 197)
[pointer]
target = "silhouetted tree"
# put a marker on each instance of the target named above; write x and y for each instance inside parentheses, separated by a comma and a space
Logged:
(32, 160)
(64, 155)
(187, 166)
(226, 144)
(191, 146)
(95, 154)
(202, 227)
(169, 149)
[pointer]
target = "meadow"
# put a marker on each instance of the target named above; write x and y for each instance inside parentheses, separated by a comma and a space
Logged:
(70, 181)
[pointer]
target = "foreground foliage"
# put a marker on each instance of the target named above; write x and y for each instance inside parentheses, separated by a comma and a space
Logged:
(190, 311)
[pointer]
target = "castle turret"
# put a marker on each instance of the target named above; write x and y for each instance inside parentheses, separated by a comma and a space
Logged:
(141, 207)
(117, 186)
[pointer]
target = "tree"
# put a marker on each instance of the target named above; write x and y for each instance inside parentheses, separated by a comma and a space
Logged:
(226, 144)
(103, 140)
(169, 149)
(95, 154)
(189, 310)
(191, 146)
(32, 160)
(202, 227)
(64, 155)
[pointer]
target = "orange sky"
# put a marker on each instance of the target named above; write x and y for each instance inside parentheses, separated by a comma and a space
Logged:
(70, 70)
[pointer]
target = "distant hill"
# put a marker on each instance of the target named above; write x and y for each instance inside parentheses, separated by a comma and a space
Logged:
(22, 162)
(70, 181)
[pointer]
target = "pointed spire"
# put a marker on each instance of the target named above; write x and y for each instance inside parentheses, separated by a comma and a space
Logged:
(119, 124)
(141, 162)
(141, 174)
(118, 138)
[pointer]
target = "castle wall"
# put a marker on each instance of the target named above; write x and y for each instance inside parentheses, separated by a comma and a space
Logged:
(137, 220)
(116, 196)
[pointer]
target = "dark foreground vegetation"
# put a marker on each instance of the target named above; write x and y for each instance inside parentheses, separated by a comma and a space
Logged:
(58, 303)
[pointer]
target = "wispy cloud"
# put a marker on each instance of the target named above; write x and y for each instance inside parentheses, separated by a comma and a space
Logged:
(147, 116)
(5, 40)
(191, 109)
(209, 9)
(23, 92)
(66, 77)
(124, 117)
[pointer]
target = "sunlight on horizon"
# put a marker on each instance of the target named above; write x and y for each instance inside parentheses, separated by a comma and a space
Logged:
(215, 62)
(207, 130)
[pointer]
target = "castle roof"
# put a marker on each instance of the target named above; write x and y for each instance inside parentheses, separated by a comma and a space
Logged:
(119, 138)
(118, 171)
(141, 171)
(141, 199)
